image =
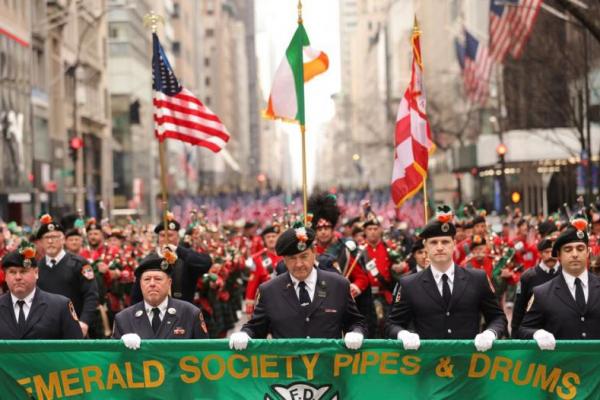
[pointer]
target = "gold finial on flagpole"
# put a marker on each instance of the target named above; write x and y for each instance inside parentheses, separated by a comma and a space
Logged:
(300, 12)
(416, 25)
(152, 20)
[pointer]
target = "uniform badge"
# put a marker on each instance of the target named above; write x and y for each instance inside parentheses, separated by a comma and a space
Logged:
(491, 284)
(301, 246)
(72, 311)
(445, 227)
(88, 272)
(530, 303)
(171, 310)
(398, 294)
(164, 265)
(580, 235)
(172, 226)
(203, 324)
(139, 313)
(179, 331)
(51, 227)
(267, 262)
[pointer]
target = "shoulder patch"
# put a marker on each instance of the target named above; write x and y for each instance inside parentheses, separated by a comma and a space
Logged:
(88, 272)
(72, 311)
(530, 303)
(490, 283)
(256, 300)
(203, 323)
(398, 294)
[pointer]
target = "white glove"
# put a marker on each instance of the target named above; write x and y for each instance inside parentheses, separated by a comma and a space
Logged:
(353, 340)
(545, 340)
(411, 341)
(350, 245)
(484, 340)
(239, 341)
(132, 341)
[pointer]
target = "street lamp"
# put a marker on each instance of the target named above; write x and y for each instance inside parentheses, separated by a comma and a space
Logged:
(501, 150)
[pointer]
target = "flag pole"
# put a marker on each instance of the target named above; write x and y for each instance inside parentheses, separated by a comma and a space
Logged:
(425, 202)
(152, 20)
(303, 134)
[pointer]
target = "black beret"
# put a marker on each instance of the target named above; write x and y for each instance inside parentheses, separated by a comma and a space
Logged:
(441, 225)
(480, 219)
(73, 232)
(372, 221)
(17, 259)
(48, 225)
(92, 225)
(153, 262)
(544, 244)
(569, 235)
(172, 225)
(270, 229)
(294, 241)
(418, 244)
(546, 228)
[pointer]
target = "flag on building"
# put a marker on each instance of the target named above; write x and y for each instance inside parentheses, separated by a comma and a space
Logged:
(476, 65)
(511, 22)
(301, 64)
(412, 136)
(178, 114)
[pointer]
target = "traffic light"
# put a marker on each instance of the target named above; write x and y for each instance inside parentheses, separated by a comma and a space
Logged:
(75, 144)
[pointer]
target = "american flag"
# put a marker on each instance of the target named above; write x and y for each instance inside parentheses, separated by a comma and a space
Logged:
(178, 114)
(476, 64)
(511, 22)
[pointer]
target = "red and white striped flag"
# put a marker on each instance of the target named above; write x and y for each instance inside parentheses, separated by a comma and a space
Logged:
(178, 114)
(511, 22)
(413, 136)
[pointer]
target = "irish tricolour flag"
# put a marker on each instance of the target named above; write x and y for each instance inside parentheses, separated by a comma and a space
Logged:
(301, 64)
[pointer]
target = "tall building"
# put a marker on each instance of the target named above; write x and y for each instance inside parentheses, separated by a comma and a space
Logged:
(16, 192)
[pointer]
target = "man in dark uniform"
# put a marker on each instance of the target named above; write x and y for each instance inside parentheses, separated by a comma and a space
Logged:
(190, 265)
(303, 302)
(566, 307)
(445, 301)
(158, 316)
(547, 269)
(27, 312)
(67, 274)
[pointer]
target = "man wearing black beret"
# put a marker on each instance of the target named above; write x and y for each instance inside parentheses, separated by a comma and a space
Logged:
(27, 312)
(548, 268)
(304, 302)
(158, 316)
(445, 301)
(68, 274)
(190, 264)
(566, 307)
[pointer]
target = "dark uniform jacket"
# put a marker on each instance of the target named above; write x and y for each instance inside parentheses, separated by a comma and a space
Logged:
(51, 317)
(190, 266)
(553, 308)
(531, 278)
(73, 278)
(331, 313)
(418, 301)
(181, 321)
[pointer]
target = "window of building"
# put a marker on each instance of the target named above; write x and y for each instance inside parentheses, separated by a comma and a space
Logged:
(206, 62)
(176, 11)
(207, 101)
(176, 48)
(207, 81)
(210, 33)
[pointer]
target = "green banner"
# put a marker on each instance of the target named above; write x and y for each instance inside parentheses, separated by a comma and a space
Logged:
(297, 370)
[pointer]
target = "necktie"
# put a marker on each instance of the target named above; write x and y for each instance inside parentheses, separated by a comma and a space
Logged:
(304, 297)
(579, 296)
(21, 320)
(52, 263)
(446, 294)
(155, 319)
(551, 272)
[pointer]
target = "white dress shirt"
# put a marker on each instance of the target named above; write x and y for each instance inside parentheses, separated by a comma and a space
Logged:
(56, 258)
(546, 269)
(162, 307)
(437, 276)
(311, 284)
(26, 307)
(570, 279)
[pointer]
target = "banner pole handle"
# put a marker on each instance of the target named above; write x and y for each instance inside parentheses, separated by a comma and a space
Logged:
(304, 185)
(425, 202)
